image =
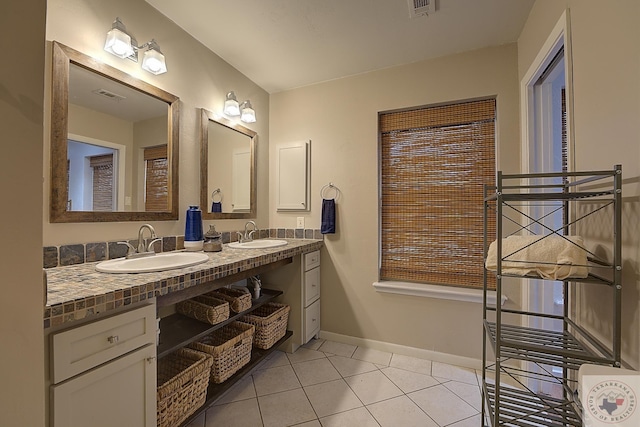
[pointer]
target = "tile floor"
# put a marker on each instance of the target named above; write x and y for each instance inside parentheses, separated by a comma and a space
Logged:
(331, 384)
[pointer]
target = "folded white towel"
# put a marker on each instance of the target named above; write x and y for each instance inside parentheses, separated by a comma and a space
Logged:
(552, 257)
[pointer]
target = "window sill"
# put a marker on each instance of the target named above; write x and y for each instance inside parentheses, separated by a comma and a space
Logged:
(437, 291)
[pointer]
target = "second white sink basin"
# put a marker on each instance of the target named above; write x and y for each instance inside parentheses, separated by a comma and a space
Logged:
(159, 262)
(258, 244)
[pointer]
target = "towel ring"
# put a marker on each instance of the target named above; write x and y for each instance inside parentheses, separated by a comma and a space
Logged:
(218, 193)
(327, 188)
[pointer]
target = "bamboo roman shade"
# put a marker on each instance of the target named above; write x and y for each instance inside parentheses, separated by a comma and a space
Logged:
(102, 167)
(156, 179)
(435, 162)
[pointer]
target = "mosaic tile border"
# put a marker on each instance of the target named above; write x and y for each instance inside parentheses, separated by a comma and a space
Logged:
(77, 292)
(80, 253)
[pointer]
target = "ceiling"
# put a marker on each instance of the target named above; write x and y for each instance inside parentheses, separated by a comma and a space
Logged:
(284, 44)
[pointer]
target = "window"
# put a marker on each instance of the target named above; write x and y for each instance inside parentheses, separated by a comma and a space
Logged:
(102, 167)
(434, 163)
(156, 181)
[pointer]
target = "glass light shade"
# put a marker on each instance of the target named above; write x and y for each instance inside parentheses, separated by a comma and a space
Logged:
(248, 115)
(153, 62)
(118, 43)
(231, 106)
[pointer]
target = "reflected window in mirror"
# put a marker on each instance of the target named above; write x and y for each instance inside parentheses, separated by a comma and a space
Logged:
(98, 110)
(227, 168)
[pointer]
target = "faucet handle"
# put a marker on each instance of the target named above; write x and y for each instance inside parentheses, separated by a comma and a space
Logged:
(130, 248)
(153, 242)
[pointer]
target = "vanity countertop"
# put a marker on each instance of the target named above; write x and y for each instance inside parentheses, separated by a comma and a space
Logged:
(78, 291)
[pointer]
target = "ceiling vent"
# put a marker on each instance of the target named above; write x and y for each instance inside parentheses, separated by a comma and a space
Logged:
(419, 8)
(109, 94)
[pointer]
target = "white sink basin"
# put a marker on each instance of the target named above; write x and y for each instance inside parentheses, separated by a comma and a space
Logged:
(160, 262)
(258, 244)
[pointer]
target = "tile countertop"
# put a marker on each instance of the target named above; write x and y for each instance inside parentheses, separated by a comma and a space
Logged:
(79, 291)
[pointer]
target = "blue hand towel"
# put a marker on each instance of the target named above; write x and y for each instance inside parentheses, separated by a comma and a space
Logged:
(328, 216)
(216, 207)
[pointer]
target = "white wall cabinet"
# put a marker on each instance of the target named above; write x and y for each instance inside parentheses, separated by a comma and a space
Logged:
(104, 372)
(300, 283)
(293, 180)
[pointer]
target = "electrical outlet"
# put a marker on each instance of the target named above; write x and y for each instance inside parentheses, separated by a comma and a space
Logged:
(300, 222)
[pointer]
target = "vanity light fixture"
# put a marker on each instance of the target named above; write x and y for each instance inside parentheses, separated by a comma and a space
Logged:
(121, 44)
(118, 40)
(153, 59)
(231, 105)
(248, 115)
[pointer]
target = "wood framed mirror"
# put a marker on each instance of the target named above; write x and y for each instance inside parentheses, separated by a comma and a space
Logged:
(227, 168)
(114, 144)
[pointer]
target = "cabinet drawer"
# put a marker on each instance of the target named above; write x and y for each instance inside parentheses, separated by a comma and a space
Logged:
(79, 349)
(311, 260)
(311, 286)
(311, 321)
(119, 393)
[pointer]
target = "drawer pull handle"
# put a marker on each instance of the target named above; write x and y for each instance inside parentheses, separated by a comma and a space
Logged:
(313, 320)
(313, 286)
(113, 339)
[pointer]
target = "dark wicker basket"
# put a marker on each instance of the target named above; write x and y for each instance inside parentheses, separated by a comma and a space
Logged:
(230, 348)
(183, 378)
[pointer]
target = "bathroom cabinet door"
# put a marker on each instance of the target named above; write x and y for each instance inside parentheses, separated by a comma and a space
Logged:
(119, 393)
(293, 180)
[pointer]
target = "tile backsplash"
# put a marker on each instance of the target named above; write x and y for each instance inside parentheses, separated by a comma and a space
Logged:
(79, 253)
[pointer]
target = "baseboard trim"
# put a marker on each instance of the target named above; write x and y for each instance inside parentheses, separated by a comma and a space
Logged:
(451, 359)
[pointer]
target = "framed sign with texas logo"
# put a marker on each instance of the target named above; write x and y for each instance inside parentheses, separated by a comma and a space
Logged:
(609, 396)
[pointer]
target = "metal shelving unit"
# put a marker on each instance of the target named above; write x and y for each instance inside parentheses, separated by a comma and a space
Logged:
(522, 204)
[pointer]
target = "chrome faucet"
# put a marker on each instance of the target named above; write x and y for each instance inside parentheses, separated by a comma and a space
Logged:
(248, 235)
(142, 249)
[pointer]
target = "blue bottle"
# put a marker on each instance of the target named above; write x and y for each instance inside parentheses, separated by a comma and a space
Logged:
(193, 227)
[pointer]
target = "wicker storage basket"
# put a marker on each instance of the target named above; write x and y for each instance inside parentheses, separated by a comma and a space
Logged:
(183, 378)
(238, 300)
(205, 309)
(270, 321)
(230, 348)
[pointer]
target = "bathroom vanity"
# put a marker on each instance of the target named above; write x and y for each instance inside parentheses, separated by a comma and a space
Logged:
(102, 334)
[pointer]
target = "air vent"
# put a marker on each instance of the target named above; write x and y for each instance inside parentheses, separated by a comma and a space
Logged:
(108, 94)
(419, 8)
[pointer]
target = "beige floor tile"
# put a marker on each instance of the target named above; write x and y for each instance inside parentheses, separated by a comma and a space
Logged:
(373, 356)
(285, 409)
(349, 367)
(337, 348)
(442, 405)
(241, 390)
(314, 423)
(468, 422)
(359, 417)
(198, 422)
(373, 387)
(278, 358)
(467, 392)
(332, 397)
(409, 381)
(275, 380)
(314, 344)
(451, 372)
(315, 372)
(237, 414)
(304, 354)
(400, 411)
(412, 364)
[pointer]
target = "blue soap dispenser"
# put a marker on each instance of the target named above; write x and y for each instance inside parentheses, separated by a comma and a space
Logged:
(193, 237)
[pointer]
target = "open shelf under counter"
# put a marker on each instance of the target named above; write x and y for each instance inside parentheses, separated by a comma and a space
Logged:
(177, 330)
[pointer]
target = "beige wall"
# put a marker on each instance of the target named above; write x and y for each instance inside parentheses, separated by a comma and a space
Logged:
(200, 78)
(21, 306)
(340, 117)
(606, 70)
